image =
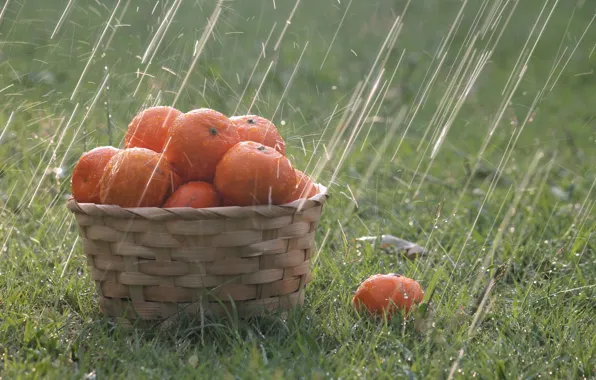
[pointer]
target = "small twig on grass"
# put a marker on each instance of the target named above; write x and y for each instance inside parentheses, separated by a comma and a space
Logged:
(389, 242)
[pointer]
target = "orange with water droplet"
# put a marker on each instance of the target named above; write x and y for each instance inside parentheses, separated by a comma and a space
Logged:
(197, 141)
(149, 128)
(258, 129)
(255, 174)
(386, 294)
(88, 171)
(136, 177)
(194, 194)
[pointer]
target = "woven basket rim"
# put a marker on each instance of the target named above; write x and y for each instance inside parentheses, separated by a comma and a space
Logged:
(224, 211)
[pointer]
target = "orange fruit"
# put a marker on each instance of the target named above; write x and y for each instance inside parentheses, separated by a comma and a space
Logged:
(385, 294)
(194, 194)
(149, 128)
(258, 129)
(251, 173)
(136, 177)
(305, 188)
(87, 173)
(174, 183)
(197, 141)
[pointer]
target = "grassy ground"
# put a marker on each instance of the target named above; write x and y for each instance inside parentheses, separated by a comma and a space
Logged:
(509, 193)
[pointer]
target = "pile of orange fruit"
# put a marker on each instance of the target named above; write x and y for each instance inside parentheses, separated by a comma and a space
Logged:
(196, 159)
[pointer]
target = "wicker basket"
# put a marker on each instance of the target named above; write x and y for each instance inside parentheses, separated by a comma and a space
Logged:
(151, 263)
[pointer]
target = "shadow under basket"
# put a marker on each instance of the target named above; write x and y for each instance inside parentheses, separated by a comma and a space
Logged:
(152, 263)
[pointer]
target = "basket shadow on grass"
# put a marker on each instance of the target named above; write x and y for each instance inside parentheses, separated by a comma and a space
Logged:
(219, 335)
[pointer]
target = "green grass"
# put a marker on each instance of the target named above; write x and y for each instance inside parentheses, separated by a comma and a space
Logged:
(538, 321)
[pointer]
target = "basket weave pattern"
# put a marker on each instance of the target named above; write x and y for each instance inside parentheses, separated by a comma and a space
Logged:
(151, 263)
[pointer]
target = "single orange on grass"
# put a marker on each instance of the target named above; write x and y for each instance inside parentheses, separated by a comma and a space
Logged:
(254, 174)
(258, 129)
(197, 141)
(88, 172)
(386, 294)
(194, 194)
(305, 187)
(149, 128)
(136, 177)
